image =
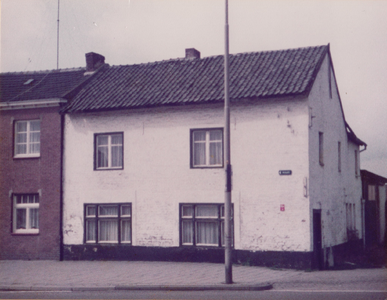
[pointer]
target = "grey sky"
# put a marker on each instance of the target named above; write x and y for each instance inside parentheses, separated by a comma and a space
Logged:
(135, 31)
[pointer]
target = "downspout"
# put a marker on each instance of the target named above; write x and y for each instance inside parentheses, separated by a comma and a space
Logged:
(61, 187)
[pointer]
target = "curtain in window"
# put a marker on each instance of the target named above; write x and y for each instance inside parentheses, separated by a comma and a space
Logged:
(34, 218)
(125, 231)
(116, 142)
(187, 232)
(21, 137)
(207, 233)
(34, 137)
(102, 151)
(206, 211)
(90, 230)
(199, 148)
(108, 231)
(21, 218)
(108, 210)
(215, 147)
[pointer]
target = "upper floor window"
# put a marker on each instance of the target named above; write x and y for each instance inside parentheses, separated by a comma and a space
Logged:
(27, 138)
(108, 223)
(356, 163)
(339, 156)
(26, 213)
(109, 151)
(321, 148)
(206, 148)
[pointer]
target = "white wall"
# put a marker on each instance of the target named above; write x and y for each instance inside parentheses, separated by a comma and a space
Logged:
(330, 189)
(265, 138)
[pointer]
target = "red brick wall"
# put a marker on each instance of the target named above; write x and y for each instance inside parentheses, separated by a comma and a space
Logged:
(29, 175)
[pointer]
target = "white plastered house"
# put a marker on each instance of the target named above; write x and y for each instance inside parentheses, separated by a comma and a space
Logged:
(143, 161)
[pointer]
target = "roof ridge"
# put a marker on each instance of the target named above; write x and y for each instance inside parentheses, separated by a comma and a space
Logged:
(214, 56)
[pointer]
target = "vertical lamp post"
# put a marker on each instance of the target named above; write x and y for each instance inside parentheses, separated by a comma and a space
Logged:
(228, 172)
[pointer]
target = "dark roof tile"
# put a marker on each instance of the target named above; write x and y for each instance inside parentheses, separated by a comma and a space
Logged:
(22, 86)
(180, 81)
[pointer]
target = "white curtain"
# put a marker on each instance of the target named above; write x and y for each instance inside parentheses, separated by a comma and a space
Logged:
(206, 211)
(34, 218)
(199, 148)
(207, 233)
(108, 210)
(21, 137)
(34, 137)
(215, 147)
(187, 230)
(102, 151)
(90, 230)
(108, 230)
(125, 231)
(116, 143)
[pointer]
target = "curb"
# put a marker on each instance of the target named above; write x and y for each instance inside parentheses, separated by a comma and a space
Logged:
(219, 287)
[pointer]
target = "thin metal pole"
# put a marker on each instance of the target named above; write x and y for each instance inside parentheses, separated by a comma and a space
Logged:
(227, 158)
(57, 40)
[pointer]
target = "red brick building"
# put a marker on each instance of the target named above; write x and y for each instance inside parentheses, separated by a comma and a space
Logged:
(31, 156)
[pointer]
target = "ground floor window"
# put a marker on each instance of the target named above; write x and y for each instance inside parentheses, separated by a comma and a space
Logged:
(108, 223)
(202, 225)
(25, 213)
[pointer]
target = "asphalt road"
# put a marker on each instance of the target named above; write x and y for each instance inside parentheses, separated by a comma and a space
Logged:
(261, 295)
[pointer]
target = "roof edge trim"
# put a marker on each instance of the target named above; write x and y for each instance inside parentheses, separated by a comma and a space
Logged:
(36, 103)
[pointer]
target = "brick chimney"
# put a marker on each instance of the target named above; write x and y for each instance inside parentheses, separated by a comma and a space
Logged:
(93, 61)
(192, 53)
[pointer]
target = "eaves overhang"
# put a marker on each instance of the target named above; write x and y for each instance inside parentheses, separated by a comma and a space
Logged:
(36, 103)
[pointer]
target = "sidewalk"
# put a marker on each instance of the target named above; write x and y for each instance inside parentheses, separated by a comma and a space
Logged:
(137, 275)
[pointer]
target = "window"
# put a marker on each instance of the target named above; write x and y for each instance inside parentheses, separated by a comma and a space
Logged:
(356, 164)
(339, 156)
(108, 223)
(202, 224)
(108, 151)
(371, 192)
(26, 213)
(321, 148)
(27, 138)
(206, 148)
(352, 233)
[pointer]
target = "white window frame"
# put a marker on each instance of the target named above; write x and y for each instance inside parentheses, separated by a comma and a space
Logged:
(28, 207)
(207, 143)
(109, 146)
(28, 142)
(120, 217)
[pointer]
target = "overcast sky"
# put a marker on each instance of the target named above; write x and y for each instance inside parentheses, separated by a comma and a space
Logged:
(140, 31)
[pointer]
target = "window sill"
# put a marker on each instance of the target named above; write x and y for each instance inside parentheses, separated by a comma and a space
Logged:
(109, 169)
(26, 157)
(24, 233)
(207, 167)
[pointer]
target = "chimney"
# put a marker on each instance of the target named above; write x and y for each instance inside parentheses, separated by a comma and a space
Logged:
(93, 61)
(192, 53)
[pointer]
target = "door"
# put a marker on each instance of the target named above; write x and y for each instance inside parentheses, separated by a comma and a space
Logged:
(318, 259)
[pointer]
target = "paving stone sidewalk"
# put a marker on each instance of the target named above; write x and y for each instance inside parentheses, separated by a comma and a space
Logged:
(78, 275)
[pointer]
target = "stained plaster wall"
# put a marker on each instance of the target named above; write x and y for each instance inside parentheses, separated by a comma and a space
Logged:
(331, 189)
(265, 138)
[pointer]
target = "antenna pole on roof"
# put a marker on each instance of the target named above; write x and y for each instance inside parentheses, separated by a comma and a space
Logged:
(227, 160)
(57, 40)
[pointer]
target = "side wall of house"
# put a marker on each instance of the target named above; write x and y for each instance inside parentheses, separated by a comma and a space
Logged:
(335, 184)
(31, 175)
(271, 212)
